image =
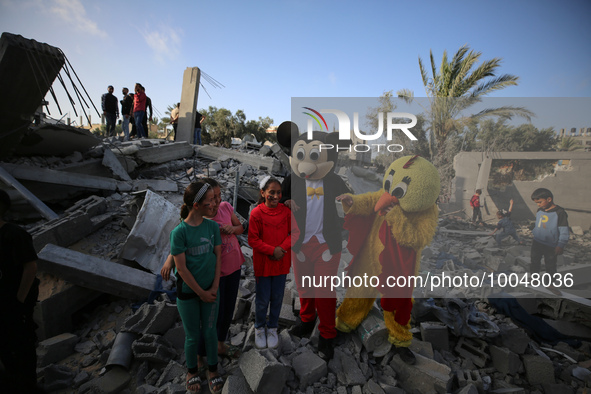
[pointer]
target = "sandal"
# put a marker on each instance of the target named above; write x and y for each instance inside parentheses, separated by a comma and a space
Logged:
(193, 381)
(232, 352)
(215, 382)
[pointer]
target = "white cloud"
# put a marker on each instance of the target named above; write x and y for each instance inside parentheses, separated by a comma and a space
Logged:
(73, 12)
(164, 41)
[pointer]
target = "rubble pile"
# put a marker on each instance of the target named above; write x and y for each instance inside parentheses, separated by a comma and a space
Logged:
(463, 343)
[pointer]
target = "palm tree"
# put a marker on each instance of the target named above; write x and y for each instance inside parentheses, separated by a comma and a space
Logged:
(457, 85)
(568, 144)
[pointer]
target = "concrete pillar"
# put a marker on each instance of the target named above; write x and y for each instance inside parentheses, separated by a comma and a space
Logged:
(561, 133)
(189, 96)
(483, 174)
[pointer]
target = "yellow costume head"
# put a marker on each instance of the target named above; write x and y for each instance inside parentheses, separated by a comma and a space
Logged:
(411, 182)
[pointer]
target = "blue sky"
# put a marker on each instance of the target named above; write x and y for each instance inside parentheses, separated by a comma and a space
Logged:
(266, 52)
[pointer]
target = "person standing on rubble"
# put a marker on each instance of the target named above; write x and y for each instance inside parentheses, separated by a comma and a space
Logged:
(195, 245)
(126, 106)
(146, 116)
(19, 289)
(110, 110)
(174, 118)
(197, 135)
(475, 204)
(272, 231)
(139, 109)
(232, 259)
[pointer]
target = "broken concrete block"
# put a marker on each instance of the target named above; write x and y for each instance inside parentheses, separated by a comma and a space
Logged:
(111, 161)
(37, 174)
(86, 347)
(176, 336)
(286, 316)
(470, 389)
(157, 318)
(557, 389)
(422, 347)
(172, 370)
(236, 384)
(577, 230)
(56, 348)
(424, 376)
(153, 348)
(469, 377)
(504, 360)
(58, 377)
(114, 381)
(257, 161)
(513, 338)
(349, 369)
(164, 152)
(436, 334)
(372, 387)
(309, 368)
(474, 350)
(538, 369)
(263, 373)
(95, 273)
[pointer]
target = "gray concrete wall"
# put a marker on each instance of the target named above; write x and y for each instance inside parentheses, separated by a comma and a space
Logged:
(571, 187)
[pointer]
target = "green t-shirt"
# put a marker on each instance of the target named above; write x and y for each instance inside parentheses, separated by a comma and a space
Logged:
(197, 243)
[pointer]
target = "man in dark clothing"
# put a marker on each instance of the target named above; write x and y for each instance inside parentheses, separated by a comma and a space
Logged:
(126, 105)
(197, 133)
(110, 110)
(19, 289)
(146, 116)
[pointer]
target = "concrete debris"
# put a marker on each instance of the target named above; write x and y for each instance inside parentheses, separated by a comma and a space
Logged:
(118, 203)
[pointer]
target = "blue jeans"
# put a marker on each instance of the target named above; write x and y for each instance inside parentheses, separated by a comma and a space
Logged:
(139, 117)
(125, 127)
(197, 136)
(110, 120)
(269, 290)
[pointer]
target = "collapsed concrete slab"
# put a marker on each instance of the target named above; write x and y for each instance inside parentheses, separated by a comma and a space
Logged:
(64, 178)
(149, 239)
(95, 273)
(257, 161)
(163, 153)
(22, 63)
(426, 376)
(30, 197)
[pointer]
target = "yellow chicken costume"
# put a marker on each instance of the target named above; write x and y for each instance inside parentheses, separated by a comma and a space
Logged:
(387, 231)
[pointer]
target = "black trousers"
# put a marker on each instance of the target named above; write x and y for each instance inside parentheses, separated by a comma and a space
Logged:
(477, 215)
(538, 251)
(17, 349)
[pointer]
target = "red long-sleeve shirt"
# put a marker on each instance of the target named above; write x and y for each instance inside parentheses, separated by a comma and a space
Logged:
(267, 229)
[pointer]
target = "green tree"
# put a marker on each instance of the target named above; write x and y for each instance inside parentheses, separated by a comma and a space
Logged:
(221, 126)
(568, 144)
(455, 86)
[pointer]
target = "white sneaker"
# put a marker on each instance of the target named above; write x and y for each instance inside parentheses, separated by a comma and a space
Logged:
(260, 338)
(272, 338)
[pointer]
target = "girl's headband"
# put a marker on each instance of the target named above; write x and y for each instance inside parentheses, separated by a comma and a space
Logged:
(201, 192)
(264, 182)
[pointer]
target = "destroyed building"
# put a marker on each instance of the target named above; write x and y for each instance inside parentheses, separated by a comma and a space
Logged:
(100, 212)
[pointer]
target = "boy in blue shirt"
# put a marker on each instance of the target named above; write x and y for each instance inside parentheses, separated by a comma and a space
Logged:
(505, 225)
(550, 232)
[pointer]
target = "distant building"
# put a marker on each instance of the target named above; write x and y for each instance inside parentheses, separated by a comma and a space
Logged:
(582, 136)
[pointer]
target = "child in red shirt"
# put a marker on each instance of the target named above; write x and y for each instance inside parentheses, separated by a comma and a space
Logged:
(271, 232)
